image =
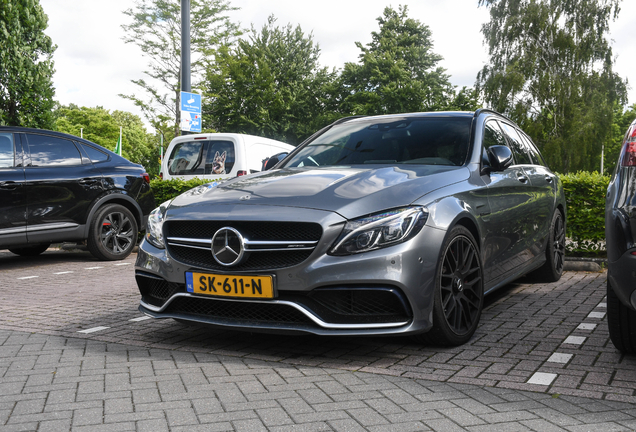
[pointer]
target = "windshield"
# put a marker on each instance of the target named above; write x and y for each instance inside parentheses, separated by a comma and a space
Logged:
(422, 141)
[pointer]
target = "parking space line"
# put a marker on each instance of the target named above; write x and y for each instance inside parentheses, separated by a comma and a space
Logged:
(574, 340)
(93, 330)
(560, 358)
(586, 326)
(28, 277)
(599, 315)
(92, 268)
(542, 378)
(602, 305)
(64, 272)
(121, 264)
(143, 318)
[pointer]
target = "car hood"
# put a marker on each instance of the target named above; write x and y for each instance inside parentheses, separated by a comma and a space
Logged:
(348, 191)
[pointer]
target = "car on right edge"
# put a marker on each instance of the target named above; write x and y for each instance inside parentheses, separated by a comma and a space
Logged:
(620, 234)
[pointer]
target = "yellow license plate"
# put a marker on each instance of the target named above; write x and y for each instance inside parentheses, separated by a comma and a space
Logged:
(230, 285)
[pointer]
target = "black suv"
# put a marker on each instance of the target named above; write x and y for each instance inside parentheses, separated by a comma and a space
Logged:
(56, 187)
(620, 233)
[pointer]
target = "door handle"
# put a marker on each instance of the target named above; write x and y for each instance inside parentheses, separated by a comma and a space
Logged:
(9, 185)
(549, 178)
(522, 178)
(88, 181)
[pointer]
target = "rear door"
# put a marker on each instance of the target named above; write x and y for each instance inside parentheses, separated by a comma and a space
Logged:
(12, 191)
(61, 186)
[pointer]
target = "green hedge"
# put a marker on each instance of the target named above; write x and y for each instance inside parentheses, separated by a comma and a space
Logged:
(585, 196)
(584, 193)
(168, 189)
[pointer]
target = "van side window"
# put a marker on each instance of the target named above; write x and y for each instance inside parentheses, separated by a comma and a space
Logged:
(220, 157)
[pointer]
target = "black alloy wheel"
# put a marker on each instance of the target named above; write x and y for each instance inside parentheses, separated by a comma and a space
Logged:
(459, 291)
(552, 270)
(113, 233)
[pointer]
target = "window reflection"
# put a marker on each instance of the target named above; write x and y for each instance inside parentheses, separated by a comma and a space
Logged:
(52, 151)
(6, 150)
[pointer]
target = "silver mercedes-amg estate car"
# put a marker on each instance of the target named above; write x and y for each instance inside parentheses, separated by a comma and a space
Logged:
(388, 225)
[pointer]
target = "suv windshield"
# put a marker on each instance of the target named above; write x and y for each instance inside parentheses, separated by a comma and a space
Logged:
(423, 141)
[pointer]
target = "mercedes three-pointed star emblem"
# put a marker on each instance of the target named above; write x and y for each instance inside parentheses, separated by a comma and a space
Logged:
(228, 246)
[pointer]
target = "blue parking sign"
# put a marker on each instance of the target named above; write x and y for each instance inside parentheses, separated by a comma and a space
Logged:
(190, 112)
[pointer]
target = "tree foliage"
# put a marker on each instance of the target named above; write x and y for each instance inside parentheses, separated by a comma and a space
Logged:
(102, 127)
(269, 84)
(551, 71)
(26, 65)
(156, 29)
(398, 70)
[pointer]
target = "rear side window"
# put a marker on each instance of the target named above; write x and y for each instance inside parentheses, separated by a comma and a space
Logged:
(93, 154)
(536, 155)
(201, 158)
(7, 152)
(521, 154)
(52, 151)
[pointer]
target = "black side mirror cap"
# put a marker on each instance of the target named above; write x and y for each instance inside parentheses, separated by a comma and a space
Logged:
(500, 158)
(273, 160)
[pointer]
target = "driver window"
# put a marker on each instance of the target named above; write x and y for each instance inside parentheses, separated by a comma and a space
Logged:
(492, 136)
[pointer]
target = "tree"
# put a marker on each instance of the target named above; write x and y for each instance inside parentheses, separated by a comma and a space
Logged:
(102, 127)
(398, 70)
(156, 29)
(271, 85)
(26, 65)
(551, 71)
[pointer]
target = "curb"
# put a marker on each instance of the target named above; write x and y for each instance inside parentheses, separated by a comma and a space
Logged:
(584, 264)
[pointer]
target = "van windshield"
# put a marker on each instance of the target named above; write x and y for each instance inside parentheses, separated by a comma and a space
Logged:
(201, 158)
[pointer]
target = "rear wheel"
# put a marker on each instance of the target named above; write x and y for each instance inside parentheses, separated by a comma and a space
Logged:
(621, 321)
(113, 233)
(459, 291)
(552, 270)
(30, 250)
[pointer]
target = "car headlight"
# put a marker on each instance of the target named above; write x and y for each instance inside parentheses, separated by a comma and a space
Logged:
(154, 234)
(380, 230)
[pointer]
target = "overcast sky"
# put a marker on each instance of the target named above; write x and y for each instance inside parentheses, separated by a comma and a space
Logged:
(93, 64)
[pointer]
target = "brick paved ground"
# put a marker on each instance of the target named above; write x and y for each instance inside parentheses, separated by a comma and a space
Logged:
(158, 374)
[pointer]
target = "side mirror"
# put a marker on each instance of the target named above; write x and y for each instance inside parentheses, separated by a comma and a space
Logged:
(500, 157)
(273, 160)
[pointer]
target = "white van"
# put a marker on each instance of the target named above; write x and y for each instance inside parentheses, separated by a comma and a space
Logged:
(218, 155)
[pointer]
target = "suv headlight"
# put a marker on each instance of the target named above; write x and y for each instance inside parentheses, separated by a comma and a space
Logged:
(154, 234)
(380, 230)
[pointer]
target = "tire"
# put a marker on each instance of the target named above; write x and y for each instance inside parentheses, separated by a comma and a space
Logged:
(552, 270)
(30, 250)
(113, 233)
(459, 291)
(621, 321)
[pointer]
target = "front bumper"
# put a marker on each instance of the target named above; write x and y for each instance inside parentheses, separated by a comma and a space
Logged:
(381, 292)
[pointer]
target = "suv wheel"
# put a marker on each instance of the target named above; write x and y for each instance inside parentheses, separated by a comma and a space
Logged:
(113, 233)
(30, 250)
(621, 321)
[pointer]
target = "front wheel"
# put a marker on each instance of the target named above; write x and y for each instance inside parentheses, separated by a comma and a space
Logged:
(113, 233)
(459, 291)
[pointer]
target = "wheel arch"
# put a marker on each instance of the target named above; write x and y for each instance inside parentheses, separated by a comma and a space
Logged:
(116, 198)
